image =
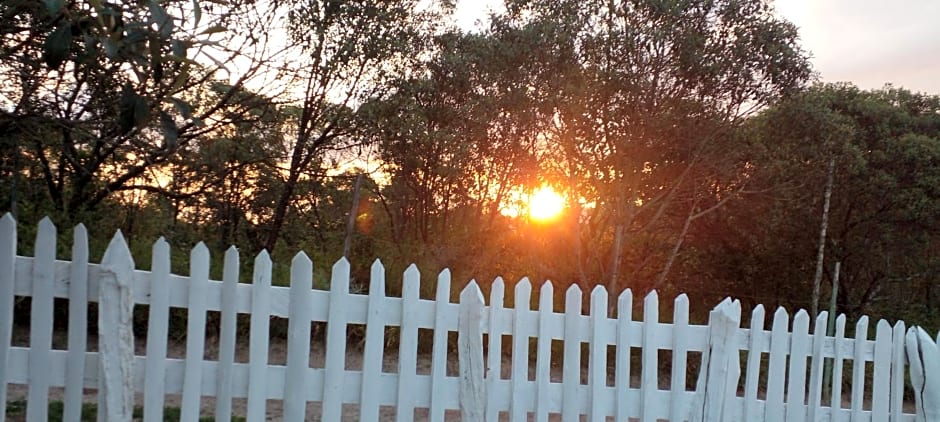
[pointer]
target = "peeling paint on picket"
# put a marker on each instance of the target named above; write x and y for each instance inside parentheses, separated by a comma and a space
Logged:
(591, 380)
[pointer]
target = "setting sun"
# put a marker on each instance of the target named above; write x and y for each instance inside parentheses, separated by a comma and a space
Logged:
(545, 204)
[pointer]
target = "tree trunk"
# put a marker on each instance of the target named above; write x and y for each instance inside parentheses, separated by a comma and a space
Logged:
(675, 249)
(823, 227)
(616, 260)
(280, 212)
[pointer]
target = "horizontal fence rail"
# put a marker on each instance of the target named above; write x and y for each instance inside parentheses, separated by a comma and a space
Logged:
(610, 366)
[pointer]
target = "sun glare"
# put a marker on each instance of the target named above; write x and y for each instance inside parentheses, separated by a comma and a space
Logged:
(545, 204)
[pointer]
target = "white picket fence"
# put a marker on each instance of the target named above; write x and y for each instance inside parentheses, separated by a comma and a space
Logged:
(782, 368)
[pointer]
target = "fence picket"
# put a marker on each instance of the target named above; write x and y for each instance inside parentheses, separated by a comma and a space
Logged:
(597, 364)
(881, 381)
(375, 341)
(543, 354)
(157, 330)
(78, 326)
(227, 327)
(756, 342)
(649, 371)
(571, 364)
(521, 393)
(776, 373)
(116, 337)
(837, 363)
(408, 345)
(298, 340)
(494, 354)
(7, 280)
(816, 367)
(680, 328)
(195, 332)
(470, 354)
(858, 368)
(439, 347)
(40, 322)
(336, 342)
(897, 371)
(259, 329)
(622, 369)
(799, 350)
(718, 377)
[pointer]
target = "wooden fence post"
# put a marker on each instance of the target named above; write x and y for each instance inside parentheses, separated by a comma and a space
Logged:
(115, 333)
(7, 276)
(470, 354)
(924, 358)
(718, 378)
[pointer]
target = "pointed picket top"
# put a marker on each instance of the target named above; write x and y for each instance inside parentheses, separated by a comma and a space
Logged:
(471, 294)
(411, 285)
(199, 254)
(300, 259)
(681, 300)
(80, 234)
(261, 258)
(652, 298)
(46, 238)
(730, 308)
(301, 272)
(625, 304)
(801, 315)
(861, 328)
(341, 264)
(651, 307)
(230, 265)
(7, 219)
(523, 288)
(573, 299)
(820, 327)
(599, 301)
(339, 279)
(781, 313)
(116, 256)
(546, 294)
(377, 279)
(598, 291)
(443, 286)
(261, 271)
(757, 315)
(231, 251)
(47, 224)
(497, 292)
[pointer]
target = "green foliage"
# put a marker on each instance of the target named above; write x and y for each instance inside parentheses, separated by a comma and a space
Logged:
(885, 203)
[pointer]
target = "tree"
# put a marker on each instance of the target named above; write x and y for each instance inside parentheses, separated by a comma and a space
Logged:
(646, 96)
(454, 142)
(99, 94)
(885, 146)
(349, 50)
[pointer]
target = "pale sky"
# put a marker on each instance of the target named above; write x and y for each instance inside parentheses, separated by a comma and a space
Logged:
(866, 42)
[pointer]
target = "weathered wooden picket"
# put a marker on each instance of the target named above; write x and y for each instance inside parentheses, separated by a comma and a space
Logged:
(782, 368)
